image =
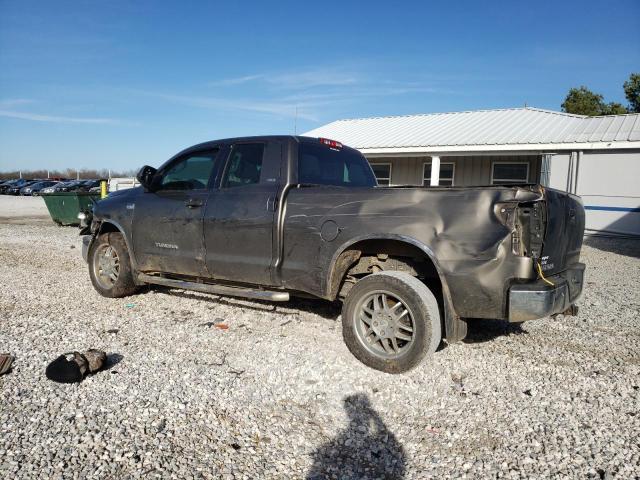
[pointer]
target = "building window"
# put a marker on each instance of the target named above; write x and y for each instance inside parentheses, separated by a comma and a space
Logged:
(382, 172)
(447, 171)
(509, 172)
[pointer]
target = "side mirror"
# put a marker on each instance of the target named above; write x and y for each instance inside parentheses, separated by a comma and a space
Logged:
(145, 176)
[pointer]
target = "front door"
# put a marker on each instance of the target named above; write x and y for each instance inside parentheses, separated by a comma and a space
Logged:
(238, 223)
(167, 225)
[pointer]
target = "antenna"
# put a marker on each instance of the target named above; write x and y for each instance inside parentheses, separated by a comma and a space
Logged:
(295, 122)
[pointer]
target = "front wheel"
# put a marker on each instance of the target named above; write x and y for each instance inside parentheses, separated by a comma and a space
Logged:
(391, 321)
(110, 266)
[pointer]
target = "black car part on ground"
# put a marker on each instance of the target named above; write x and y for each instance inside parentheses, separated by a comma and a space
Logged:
(72, 367)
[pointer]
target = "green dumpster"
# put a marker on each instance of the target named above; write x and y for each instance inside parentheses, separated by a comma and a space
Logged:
(64, 207)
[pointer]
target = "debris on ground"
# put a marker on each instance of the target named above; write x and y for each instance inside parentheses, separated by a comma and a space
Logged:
(214, 323)
(6, 361)
(72, 367)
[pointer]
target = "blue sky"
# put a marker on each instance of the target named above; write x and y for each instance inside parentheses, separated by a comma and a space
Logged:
(118, 84)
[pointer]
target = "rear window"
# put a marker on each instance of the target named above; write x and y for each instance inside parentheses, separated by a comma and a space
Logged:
(319, 164)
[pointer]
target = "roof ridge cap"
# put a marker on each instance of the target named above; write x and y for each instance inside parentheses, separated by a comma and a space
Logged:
(379, 117)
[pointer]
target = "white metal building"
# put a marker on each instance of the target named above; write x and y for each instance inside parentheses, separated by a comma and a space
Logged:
(597, 158)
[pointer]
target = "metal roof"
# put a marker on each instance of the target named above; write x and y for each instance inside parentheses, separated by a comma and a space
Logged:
(484, 129)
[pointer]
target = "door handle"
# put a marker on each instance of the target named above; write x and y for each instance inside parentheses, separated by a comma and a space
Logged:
(272, 204)
(193, 203)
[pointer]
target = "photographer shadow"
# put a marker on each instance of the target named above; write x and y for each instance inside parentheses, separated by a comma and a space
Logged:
(365, 449)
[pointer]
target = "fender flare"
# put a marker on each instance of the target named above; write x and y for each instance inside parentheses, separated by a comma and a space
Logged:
(455, 328)
(134, 263)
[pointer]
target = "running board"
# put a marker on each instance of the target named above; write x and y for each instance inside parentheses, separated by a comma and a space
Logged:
(216, 289)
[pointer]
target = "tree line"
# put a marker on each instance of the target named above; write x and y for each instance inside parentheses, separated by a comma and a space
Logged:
(85, 173)
(583, 101)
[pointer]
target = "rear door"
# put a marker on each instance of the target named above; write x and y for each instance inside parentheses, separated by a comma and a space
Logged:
(167, 226)
(238, 222)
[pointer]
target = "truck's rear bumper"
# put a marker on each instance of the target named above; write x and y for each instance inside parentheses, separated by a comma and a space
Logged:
(529, 301)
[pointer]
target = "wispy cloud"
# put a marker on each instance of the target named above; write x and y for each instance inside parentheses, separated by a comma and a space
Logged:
(12, 102)
(278, 108)
(36, 117)
(299, 79)
(308, 93)
(227, 82)
(340, 95)
(312, 78)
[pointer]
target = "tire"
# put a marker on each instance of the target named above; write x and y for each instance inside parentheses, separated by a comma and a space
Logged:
(392, 340)
(108, 280)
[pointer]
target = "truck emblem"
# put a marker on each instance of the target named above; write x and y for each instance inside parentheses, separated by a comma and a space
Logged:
(167, 245)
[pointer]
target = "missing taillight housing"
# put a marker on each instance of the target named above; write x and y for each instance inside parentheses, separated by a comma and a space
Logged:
(530, 223)
(527, 224)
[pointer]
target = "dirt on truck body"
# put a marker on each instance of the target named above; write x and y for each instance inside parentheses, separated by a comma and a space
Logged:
(270, 217)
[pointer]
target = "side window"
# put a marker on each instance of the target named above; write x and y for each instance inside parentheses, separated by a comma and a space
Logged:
(446, 174)
(244, 166)
(191, 172)
(321, 165)
(505, 172)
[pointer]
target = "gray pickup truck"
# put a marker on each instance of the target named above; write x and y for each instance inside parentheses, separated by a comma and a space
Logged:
(279, 216)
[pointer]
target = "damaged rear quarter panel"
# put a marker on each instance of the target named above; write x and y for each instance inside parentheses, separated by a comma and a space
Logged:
(470, 247)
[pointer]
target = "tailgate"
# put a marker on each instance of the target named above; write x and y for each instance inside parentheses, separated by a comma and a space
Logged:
(563, 233)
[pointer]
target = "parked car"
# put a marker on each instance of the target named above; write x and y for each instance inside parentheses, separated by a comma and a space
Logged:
(16, 187)
(35, 188)
(52, 188)
(274, 217)
(68, 186)
(90, 184)
(10, 184)
(72, 186)
(4, 184)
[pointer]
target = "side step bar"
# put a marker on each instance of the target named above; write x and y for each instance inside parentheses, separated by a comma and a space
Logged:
(216, 289)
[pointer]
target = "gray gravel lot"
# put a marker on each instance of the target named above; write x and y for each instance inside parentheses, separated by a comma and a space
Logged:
(278, 395)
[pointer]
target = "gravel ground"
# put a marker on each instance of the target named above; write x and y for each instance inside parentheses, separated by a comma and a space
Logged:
(23, 210)
(278, 395)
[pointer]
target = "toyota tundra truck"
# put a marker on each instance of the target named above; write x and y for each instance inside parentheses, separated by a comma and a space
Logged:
(279, 216)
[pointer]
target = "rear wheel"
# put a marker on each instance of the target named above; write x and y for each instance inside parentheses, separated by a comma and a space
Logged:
(110, 266)
(391, 321)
